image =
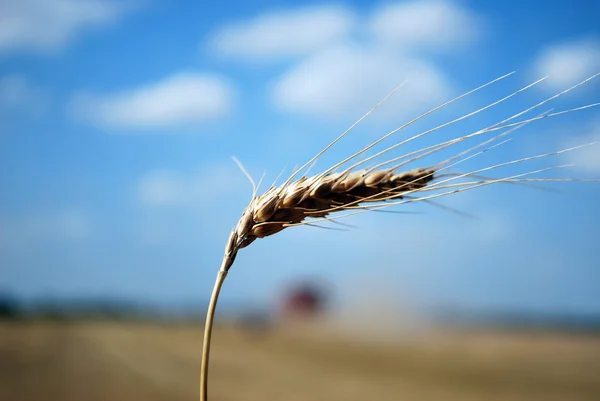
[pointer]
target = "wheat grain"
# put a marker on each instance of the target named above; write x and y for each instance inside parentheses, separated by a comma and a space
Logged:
(319, 198)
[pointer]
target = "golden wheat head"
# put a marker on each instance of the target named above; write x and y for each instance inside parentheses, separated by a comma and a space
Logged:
(306, 200)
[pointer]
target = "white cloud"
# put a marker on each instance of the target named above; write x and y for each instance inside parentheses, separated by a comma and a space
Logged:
(567, 62)
(284, 33)
(426, 25)
(179, 99)
(17, 93)
(345, 79)
(348, 80)
(42, 25)
(410, 25)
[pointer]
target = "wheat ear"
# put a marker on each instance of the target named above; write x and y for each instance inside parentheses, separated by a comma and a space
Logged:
(307, 200)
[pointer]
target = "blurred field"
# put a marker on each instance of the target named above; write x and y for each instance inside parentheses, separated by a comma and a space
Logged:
(137, 362)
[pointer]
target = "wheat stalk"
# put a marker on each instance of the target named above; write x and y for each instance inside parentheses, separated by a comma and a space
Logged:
(307, 200)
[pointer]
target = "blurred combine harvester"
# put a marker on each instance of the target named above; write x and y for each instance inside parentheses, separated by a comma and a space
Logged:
(302, 301)
(300, 304)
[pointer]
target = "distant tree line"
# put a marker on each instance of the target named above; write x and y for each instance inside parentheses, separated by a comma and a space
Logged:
(11, 308)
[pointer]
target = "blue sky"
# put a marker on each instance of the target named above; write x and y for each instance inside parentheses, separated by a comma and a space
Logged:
(118, 121)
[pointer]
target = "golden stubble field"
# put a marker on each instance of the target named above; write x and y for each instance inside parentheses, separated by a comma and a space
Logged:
(92, 361)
